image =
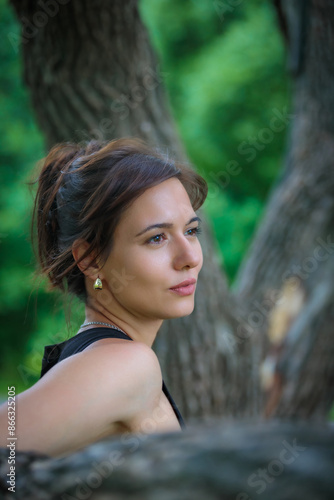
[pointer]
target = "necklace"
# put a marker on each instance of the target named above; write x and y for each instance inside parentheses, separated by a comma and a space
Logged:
(104, 324)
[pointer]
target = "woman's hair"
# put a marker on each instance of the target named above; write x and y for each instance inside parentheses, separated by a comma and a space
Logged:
(83, 191)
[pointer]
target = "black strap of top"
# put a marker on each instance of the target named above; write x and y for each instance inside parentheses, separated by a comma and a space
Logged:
(57, 352)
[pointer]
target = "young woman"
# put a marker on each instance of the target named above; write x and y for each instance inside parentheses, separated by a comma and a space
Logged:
(117, 227)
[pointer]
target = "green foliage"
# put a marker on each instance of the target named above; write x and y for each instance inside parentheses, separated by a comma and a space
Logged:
(20, 147)
(224, 71)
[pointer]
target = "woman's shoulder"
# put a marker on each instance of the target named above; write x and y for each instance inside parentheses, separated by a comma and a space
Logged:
(84, 396)
(125, 376)
(116, 360)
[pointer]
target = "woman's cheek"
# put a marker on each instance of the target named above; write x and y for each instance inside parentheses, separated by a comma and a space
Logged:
(201, 257)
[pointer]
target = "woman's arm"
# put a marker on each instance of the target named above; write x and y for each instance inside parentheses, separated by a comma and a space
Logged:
(89, 396)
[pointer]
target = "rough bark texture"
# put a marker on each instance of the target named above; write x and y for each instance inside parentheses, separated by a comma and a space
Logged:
(243, 461)
(287, 280)
(92, 73)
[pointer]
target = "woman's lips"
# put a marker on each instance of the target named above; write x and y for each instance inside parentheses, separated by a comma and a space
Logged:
(186, 289)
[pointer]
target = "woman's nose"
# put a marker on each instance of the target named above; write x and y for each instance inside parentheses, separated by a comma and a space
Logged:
(187, 253)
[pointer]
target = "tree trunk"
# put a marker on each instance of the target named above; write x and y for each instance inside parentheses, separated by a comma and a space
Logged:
(242, 461)
(287, 279)
(92, 73)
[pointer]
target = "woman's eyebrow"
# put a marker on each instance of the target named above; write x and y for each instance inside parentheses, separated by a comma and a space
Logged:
(166, 225)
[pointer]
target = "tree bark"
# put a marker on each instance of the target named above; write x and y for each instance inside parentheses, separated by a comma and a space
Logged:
(242, 461)
(92, 73)
(287, 279)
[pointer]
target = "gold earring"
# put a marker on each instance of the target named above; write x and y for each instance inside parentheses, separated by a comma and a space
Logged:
(98, 284)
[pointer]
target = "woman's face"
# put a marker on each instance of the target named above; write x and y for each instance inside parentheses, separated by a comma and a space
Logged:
(146, 262)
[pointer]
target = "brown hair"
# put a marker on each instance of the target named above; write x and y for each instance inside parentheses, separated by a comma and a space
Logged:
(82, 192)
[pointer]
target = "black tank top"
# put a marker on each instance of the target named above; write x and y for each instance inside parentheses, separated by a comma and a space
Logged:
(57, 352)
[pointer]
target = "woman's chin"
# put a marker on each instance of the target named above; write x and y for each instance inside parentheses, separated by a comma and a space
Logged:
(181, 311)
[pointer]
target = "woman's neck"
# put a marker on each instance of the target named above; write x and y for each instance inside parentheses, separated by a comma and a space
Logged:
(140, 330)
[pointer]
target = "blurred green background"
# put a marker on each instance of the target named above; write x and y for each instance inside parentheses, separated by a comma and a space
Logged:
(224, 66)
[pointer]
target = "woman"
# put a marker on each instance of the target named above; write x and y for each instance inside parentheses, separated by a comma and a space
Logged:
(117, 227)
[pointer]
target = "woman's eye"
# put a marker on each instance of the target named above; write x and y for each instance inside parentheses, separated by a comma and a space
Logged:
(194, 231)
(156, 239)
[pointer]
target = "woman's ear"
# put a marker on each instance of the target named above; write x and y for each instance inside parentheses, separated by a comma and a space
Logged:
(87, 265)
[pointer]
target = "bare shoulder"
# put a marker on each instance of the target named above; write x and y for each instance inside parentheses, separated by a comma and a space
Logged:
(88, 396)
(113, 367)
(108, 357)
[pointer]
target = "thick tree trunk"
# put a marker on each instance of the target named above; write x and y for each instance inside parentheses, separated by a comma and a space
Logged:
(287, 280)
(271, 461)
(93, 74)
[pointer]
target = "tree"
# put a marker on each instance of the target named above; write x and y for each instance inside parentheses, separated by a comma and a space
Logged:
(92, 72)
(287, 277)
(237, 461)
